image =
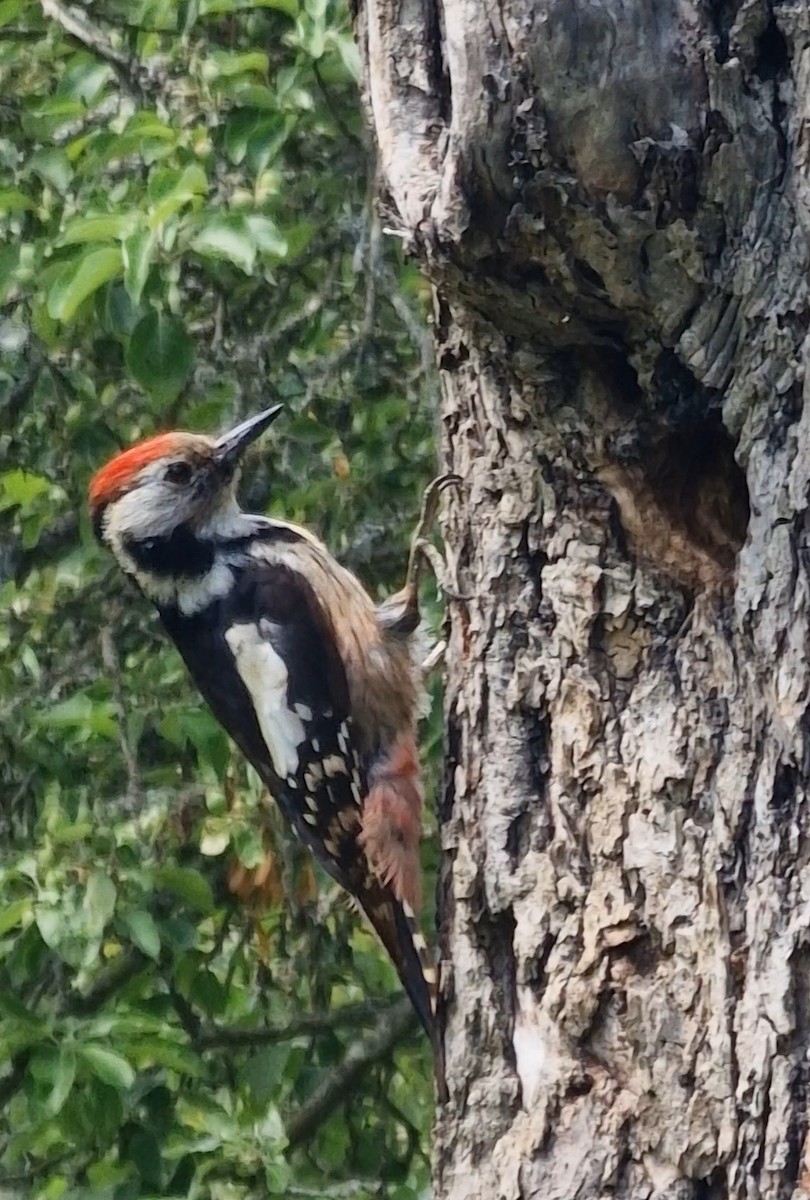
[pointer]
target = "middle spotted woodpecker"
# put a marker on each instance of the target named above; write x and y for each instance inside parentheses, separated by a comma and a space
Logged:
(318, 687)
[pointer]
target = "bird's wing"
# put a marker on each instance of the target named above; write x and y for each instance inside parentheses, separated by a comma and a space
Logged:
(285, 654)
(271, 671)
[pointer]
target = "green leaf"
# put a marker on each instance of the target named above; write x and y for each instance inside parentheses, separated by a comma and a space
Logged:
(85, 78)
(143, 1149)
(137, 251)
(10, 10)
(52, 166)
(168, 181)
(199, 727)
(277, 1176)
(150, 1052)
(298, 237)
(143, 932)
(160, 355)
(225, 64)
(62, 1079)
(350, 56)
(264, 1071)
(170, 191)
(147, 124)
(99, 901)
(267, 235)
(54, 1189)
(188, 884)
(80, 279)
(13, 914)
(107, 1066)
(117, 313)
(178, 933)
(267, 140)
(80, 712)
(208, 993)
(21, 488)
(247, 842)
(13, 1008)
(51, 925)
(12, 200)
(10, 258)
(98, 229)
(227, 237)
(242, 125)
(65, 833)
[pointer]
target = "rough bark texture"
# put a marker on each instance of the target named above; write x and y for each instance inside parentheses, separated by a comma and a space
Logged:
(611, 200)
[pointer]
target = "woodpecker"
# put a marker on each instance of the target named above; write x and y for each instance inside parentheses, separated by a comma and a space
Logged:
(317, 687)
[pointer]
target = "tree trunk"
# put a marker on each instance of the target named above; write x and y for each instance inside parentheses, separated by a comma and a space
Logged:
(611, 202)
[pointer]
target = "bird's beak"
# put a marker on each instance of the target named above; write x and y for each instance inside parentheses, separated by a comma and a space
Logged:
(232, 445)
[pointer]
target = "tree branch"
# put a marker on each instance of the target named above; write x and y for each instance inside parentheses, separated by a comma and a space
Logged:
(349, 136)
(124, 968)
(80, 28)
(109, 656)
(392, 1025)
(76, 25)
(308, 1023)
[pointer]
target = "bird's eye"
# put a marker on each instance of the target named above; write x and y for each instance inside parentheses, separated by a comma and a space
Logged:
(178, 472)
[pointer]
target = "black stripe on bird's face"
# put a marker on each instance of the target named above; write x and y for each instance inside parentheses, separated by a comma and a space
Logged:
(179, 554)
(97, 518)
(182, 554)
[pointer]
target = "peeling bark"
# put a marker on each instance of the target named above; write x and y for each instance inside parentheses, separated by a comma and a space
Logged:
(611, 202)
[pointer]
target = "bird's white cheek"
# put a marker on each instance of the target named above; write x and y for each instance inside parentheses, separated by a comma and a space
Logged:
(143, 513)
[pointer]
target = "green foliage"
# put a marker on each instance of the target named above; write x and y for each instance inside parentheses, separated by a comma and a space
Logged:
(185, 237)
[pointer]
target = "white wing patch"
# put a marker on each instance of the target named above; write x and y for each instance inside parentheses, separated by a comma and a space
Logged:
(265, 676)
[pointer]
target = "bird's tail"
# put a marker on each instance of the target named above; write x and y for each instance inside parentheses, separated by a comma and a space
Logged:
(396, 926)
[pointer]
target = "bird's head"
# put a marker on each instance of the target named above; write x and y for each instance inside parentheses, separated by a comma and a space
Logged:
(171, 482)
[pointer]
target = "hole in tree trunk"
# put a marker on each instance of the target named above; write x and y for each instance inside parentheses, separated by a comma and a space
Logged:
(697, 482)
(682, 497)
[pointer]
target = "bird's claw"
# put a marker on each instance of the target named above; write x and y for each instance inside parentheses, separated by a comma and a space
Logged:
(430, 502)
(423, 550)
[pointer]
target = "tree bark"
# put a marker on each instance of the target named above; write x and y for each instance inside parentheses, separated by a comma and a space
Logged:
(611, 202)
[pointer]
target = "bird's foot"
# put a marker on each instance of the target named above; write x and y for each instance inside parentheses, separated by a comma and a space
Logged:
(422, 549)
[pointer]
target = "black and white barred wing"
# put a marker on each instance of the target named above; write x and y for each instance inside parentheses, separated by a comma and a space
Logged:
(268, 664)
(288, 661)
(286, 658)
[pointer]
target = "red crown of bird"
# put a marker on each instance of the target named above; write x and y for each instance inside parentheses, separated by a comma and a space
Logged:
(115, 476)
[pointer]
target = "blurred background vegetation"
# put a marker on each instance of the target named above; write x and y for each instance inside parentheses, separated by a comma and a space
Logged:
(187, 235)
